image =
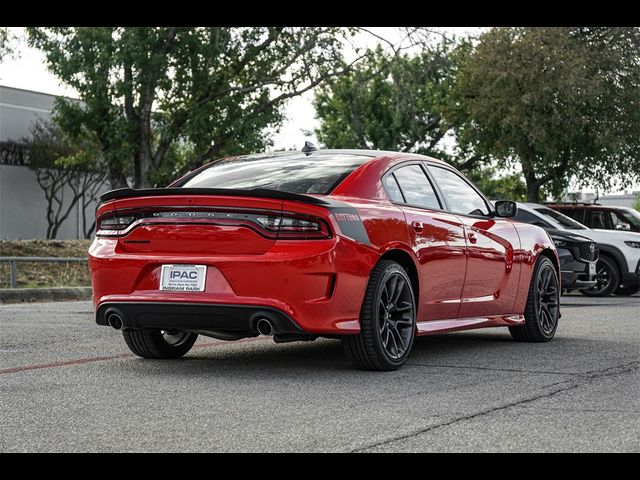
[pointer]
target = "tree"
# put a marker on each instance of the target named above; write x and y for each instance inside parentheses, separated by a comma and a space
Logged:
(68, 172)
(497, 185)
(394, 101)
(389, 102)
(558, 102)
(144, 90)
(5, 42)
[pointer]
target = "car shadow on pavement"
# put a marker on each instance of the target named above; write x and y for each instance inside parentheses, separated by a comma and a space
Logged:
(483, 350)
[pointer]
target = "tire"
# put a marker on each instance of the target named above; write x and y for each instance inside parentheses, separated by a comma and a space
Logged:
(627, 291)
(608, 277)
(159, 343)
(541, 317)
(386, 331)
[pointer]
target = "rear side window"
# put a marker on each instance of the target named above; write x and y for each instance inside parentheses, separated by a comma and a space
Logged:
(416, 188)
(294, 173)
(393, 190)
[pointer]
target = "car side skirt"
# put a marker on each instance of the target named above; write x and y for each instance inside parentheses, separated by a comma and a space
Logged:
(240, 320)
(452, 325)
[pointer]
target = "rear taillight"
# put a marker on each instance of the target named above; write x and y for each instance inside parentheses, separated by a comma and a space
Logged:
(268, 224)
(113, 225)
(294, 227)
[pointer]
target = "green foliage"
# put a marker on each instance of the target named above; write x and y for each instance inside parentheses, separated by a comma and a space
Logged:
(388, 102)
(636, 205)
(496, 186)
(217, 89)
(179, 158)
(50, 147)
(5, 42)
(560, 102)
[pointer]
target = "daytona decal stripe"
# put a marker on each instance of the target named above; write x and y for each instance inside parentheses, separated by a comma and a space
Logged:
(350, 223)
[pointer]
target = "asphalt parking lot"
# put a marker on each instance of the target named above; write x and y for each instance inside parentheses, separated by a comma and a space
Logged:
(68, 385)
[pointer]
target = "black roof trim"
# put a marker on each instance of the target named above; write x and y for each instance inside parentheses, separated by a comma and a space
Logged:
(228, 192)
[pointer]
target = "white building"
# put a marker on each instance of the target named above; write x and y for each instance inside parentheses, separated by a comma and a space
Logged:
(627, 199)
(22, 201)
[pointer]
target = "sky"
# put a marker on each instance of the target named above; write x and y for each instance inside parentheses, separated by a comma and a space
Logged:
(29, 71)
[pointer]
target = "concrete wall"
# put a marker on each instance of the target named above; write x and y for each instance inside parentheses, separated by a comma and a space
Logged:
(19, 109)
(22, 201)
(23, 207)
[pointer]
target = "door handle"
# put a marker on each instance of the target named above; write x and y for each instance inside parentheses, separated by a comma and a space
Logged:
(472, 237)
(418, 226)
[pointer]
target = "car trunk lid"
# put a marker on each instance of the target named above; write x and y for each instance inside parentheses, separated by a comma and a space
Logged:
(202, 225)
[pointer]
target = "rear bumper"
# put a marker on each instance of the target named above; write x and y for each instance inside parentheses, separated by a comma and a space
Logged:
(232, 321)
(318, 286)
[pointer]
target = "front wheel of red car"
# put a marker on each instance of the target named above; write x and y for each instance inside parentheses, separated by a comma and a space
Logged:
(543, 305)
(387, 321)
(159, 343)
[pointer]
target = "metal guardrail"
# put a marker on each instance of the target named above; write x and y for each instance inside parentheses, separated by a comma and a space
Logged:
(14, 260)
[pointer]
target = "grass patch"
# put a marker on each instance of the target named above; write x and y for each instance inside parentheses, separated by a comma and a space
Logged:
(45, 274)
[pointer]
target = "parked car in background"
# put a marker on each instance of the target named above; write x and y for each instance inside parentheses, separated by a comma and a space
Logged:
(578, 259)
(601, 217)
(618, 265)
(370, 247)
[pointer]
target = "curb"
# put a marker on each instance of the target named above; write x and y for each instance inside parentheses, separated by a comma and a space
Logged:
(58, 294)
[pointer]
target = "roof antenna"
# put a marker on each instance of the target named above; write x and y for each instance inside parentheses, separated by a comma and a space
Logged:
(308, 148)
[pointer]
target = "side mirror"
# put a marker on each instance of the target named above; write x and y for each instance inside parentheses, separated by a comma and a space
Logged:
(623, 226)
(506, 208)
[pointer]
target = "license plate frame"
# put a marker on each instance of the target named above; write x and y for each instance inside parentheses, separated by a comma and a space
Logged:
(592, 269)
(179, 277)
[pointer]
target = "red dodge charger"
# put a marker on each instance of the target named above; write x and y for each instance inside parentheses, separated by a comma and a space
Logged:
(370, 247)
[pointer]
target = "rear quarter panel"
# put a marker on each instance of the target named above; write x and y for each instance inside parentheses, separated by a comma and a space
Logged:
(384, 223)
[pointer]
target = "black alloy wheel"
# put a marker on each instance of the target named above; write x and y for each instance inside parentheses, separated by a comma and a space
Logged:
(607, 279)
(159, 343)
(547, 300)
(387, 320)
(396, 315)
(542, 311)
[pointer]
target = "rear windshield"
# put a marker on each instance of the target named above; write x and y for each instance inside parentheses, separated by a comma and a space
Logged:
(294, 173)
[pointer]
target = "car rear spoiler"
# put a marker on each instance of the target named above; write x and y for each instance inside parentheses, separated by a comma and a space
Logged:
(228, 192)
